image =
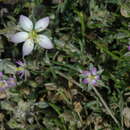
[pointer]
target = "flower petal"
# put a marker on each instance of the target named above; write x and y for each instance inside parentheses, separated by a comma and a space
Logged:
(97, 77)
(11, 82)
(86, 73)
(28, 47)
(20, 63)
(93, 82)
(85, 81)
(42, 24)
(44, 42)
(21, 75)
(25, 23)
(1, 75)
(129, 48)
(3, 85)
(19, 37)
(94, 71)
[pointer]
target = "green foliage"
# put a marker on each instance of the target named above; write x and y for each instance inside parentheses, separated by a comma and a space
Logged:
(52, 96)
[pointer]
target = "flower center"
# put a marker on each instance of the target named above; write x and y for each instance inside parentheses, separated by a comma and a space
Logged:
(20, 68)
(92, 77)
(3, 84)
(33, 35)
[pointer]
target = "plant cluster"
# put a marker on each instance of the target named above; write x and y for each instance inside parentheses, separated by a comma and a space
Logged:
(71, 69)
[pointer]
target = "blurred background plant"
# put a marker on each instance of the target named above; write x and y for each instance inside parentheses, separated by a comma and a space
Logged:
(52, 96)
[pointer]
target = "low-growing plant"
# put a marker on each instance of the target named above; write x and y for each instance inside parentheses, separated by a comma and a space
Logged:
(71, 68)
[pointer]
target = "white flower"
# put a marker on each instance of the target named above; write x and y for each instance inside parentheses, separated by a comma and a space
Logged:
(30, 34)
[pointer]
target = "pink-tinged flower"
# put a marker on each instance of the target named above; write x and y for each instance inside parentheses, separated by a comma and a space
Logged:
(30, 34)
(11, 82)
(90, 77)
(129, 48)
(5, 84)
(1, 75)
(21, 70)
(20, 63)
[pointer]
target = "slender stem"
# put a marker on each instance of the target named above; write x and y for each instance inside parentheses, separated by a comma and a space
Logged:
(121, 104)
(97, 93)
(80, 117)
(105, 105)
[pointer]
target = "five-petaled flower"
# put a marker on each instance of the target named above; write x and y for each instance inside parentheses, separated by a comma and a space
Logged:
(30, 35)
(90, 77)
(21, 69)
